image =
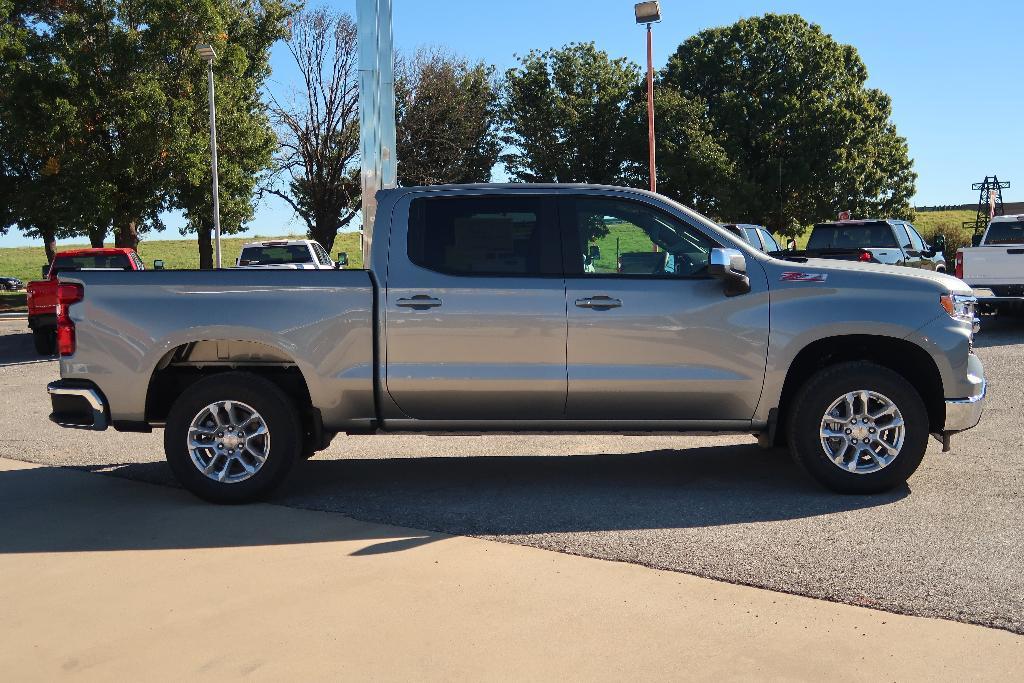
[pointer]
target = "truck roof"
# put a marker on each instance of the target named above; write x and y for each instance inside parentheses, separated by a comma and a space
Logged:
(95, 250)
(1008, 219)
(859, 221)
(276, 243)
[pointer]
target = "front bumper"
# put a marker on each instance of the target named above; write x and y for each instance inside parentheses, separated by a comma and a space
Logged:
(77, 404)
(965, 413)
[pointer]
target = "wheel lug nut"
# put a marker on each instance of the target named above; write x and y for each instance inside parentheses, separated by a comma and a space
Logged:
(849, 431)
(220, 445)
(871, 430)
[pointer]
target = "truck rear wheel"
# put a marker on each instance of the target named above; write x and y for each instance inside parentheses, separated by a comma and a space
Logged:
(45, 340)
(232, 437)
(858, 428)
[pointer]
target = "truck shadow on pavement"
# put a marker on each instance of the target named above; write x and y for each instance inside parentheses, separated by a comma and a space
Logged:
(17, 349)
(1001, 330)
(55, 510)
(475, 495)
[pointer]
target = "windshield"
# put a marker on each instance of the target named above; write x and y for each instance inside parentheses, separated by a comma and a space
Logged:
(63, 264)
(851, 236)
(275, 255)
(1005, 233)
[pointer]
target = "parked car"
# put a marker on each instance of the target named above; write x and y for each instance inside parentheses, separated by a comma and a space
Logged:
(890, 241)
(757, 235)
(477, 314)
(11, 284)
(41, 297)
(286, 254)
(994, 266)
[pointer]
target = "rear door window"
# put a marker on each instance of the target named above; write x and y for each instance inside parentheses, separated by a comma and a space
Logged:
(1005, 233)
(506, 235)
(851, 236)
(275, 255)
(62, 264)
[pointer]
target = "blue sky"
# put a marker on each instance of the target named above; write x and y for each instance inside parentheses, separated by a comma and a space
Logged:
(955, 71)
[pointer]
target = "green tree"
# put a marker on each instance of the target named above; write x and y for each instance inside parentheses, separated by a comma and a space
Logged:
(447, 120)
(42, 196)
(245, 138)
(108, 103)
(568, 116)
(318, 126)
(780, 93)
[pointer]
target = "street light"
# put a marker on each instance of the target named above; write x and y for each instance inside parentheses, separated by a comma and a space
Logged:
(207, 53)
(649, 13)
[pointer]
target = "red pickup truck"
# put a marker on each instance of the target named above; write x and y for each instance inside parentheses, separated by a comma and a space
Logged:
(42, 294)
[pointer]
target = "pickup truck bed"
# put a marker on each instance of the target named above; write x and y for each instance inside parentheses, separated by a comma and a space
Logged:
(318, 323)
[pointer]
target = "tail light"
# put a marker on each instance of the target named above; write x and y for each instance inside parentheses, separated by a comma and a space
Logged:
(959, 270)
(67, 294)
(865, 257)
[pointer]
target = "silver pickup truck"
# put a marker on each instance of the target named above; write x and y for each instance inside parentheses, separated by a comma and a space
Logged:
(507, 308)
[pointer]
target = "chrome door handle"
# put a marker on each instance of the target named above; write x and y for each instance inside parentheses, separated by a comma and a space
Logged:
(599, 303)
(420, 302)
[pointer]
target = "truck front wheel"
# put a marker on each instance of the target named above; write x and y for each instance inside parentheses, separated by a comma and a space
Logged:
(858, 428)
(232, 437)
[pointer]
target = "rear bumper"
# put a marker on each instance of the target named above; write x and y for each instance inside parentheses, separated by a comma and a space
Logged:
(77, 404)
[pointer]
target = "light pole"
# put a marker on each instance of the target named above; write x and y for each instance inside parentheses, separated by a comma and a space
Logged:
(649, 13)
(208, 54)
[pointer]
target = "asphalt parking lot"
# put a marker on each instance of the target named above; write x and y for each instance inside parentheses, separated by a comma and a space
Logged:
(950, 545)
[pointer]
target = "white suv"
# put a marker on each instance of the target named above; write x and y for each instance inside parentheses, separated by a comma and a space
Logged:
(293, 254)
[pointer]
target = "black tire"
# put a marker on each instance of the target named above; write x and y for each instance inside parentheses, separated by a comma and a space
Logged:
(815, 398)
(272, 404)
(45, 340)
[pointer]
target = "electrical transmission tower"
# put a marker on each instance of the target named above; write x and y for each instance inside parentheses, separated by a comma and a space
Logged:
(990, 202)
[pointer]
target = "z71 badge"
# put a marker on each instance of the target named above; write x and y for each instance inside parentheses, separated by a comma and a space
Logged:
(798, 276)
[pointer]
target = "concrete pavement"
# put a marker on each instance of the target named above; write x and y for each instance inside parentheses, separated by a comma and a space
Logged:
(104, 578)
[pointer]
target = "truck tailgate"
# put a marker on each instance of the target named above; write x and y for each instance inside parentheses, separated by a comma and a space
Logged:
(994, 265)
(128, 323)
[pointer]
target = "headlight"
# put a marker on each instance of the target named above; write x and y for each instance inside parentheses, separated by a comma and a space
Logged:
(962, 307)
(959, 306)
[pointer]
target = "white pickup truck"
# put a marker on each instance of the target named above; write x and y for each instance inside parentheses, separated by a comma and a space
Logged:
(287, 254)
(994, 266)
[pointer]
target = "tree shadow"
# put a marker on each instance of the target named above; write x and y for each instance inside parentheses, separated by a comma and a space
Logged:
(18, 349)
(476, 495)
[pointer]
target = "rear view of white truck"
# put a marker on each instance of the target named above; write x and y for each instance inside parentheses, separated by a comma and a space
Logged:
(994, 267)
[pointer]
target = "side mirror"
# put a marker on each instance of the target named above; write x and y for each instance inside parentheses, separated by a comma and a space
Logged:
(976, 241)
(46, 270)
(158, 264)
(729, 266)
(342, 260)
(939, 243)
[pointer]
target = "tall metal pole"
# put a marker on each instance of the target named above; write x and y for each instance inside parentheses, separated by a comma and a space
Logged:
(213, 165)
(376, 108)
(650, 112)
